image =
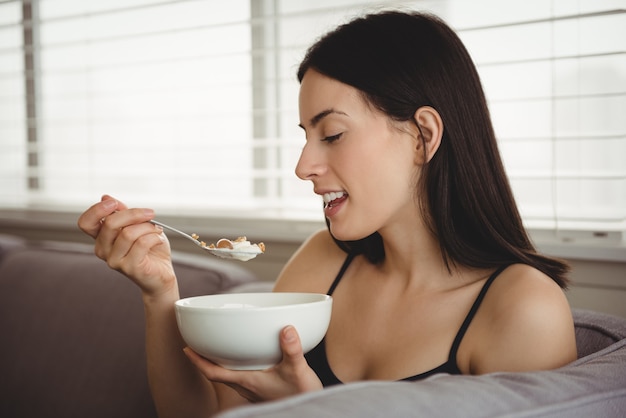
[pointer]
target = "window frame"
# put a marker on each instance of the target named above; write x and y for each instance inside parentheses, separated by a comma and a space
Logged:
(282, 227)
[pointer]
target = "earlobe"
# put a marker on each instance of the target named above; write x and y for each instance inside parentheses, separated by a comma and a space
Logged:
(430, 126)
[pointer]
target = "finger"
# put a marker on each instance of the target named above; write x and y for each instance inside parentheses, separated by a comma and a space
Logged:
(241, 382)
(291, 346)
(216, 373)
(120, 205)
(89, 221)
(293, 367)
(132, 245)
(123, 218)
(112, 226)
(209, 369)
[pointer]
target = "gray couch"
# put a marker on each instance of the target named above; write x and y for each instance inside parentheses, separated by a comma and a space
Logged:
(594, 386)
(72, 330)
(72, 346)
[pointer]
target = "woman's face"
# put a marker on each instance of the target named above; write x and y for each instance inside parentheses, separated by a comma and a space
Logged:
(360, 162)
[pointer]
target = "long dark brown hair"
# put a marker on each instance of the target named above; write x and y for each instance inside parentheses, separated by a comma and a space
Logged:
(401, 61)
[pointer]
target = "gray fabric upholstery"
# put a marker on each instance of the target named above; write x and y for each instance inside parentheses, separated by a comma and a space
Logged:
(73, 330)
(73, 346)
(595, 331)
(592, 386)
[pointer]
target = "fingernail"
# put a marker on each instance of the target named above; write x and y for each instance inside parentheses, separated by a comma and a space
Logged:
(148, 212)
(290, 334)
(109, 204)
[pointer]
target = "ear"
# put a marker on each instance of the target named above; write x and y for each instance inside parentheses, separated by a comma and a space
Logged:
(430, 133)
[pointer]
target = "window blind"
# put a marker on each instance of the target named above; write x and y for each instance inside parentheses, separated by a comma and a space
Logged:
(13, 121)
(190, 106)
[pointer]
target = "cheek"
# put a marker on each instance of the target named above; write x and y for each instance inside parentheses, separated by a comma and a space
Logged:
(393, 184)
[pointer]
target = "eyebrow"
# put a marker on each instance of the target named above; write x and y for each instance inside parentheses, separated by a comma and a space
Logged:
(318, 118)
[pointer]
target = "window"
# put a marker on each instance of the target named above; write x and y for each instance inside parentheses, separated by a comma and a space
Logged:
(190, 106)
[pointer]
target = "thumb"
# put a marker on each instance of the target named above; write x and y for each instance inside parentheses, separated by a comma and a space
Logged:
(294, 367)
(290, 344)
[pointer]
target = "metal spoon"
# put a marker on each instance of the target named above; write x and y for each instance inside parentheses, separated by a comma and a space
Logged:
(241, 254)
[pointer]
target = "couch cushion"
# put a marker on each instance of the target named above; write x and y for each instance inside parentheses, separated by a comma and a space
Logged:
(9, 243)
(596, 331)
(73, 331)
(592, 386)
(198, 274)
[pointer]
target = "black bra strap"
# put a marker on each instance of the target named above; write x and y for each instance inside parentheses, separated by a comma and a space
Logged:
(343, 269)
(472, 312)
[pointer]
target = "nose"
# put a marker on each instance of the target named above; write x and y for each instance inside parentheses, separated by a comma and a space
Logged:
(311, 163)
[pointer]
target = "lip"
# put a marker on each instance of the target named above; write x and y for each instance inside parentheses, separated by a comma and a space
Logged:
(335, 206)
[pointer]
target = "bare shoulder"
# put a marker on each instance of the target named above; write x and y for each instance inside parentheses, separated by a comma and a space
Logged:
(313, 266)
(525, 323)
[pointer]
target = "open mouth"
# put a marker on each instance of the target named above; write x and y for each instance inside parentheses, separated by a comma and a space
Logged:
(334, 198)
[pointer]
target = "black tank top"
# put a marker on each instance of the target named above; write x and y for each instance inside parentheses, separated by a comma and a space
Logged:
(319, 362)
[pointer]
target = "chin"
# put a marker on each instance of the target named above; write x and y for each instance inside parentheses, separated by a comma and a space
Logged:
(345, 233)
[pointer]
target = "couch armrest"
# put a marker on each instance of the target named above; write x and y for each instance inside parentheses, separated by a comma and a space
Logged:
(596, 388)
(592, 386)
(73, 330)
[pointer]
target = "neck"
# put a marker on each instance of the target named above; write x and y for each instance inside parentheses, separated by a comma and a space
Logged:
(414, 253)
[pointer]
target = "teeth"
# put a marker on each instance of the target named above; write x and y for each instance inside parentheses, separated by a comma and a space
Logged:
(329, 197)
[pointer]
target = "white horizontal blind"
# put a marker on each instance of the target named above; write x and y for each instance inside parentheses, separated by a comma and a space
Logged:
(13, 138)
(151, 101)
(191, 106)
(555, 76)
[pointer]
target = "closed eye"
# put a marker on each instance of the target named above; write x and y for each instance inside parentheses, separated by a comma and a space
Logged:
(332, 138)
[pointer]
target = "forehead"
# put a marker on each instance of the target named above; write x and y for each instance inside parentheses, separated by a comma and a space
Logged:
(318, 93)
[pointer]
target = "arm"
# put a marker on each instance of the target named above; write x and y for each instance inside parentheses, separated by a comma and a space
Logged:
(138, 249)
(177, 388)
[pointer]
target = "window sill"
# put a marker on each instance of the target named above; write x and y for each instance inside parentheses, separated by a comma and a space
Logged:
(255, 228)
(581, 245)
(578, 246)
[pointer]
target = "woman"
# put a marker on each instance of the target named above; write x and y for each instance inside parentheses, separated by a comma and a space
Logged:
(425, 254)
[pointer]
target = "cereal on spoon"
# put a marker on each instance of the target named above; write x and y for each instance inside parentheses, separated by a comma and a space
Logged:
(239, 249)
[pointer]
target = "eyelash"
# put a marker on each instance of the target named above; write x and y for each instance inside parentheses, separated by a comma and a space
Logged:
(332, 138)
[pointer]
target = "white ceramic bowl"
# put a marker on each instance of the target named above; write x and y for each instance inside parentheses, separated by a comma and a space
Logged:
(240, 330)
